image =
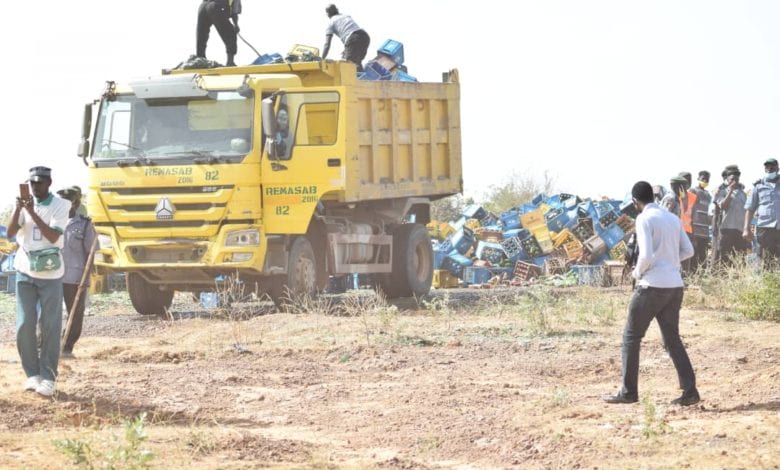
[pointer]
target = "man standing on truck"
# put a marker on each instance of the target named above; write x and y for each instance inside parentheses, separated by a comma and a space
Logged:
(79, 237)
(38, 223)
(355, 39)
(218, 13)
(658, 294)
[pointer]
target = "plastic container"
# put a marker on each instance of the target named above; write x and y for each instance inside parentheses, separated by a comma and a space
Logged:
(455, 264)
(510, 219)
(209, 300)
(613, 235)
(394, 49)
(463, 240)
(268, 59)
(476, 275)
(400, 76)
(589, 274)
(491, 252)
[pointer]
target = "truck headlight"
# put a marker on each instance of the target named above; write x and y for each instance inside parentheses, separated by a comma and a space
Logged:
(105, 242)
(249, 237)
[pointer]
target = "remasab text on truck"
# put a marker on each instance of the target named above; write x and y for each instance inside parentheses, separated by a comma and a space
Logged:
(283, 174)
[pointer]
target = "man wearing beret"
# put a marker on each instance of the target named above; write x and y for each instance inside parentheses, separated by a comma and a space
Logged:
(673, 200)
(731, 200)
(765, 204)
(38, 223)
(79, 237)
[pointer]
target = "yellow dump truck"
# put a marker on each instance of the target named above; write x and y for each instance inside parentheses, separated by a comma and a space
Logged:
(284, 174)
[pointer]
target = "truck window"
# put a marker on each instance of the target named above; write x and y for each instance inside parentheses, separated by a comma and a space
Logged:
(217, 125)
(313, 116)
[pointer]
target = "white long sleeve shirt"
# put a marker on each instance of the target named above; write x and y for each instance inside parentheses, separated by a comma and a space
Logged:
(662, 244)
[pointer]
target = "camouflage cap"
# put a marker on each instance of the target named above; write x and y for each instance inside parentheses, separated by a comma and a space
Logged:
(678, 180)
(770, 161)
(72, 192)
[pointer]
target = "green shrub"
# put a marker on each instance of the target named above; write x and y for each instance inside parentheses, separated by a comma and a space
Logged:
(763, 301)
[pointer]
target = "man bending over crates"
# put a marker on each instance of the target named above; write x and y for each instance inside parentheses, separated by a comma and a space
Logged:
(355, 39)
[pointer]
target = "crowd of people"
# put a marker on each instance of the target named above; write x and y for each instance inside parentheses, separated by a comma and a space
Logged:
(730, 221)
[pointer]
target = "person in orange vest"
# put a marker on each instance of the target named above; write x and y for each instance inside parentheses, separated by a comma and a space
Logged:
(687, 203)
(701, 220)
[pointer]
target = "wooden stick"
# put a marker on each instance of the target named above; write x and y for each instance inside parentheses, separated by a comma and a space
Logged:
(84, 275)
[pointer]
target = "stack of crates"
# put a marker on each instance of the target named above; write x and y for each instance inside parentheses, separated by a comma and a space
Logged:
(388, 64)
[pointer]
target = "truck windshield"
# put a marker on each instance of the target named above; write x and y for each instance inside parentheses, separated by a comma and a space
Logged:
(217, 125)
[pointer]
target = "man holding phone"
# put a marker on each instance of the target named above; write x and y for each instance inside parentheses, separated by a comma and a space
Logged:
(38, 223)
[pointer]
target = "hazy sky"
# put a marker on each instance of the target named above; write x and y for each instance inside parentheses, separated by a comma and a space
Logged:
(598, 93)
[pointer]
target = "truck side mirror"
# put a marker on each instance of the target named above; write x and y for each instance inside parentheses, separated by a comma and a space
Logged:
(269, 126)
(86, 126)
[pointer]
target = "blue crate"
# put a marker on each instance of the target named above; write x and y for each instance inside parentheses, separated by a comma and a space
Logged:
(476, 275)
(587, 209)
(538, 199)
(263, 59)
(374, 71)
(400, 76)
(463, 240)
(455, 264)
(510, 219)
(475, 211)
(393, 49)
(526, 208)
(539, 261)
(438, 257)
(490, 252)
(613, 235)
(557, 219)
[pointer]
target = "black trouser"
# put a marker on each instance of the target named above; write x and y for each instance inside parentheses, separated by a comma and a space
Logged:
(731, 243)
(769, 241)
(69, 293)
(700, 245)
(215, 12)
(663, 305)
(356, 48)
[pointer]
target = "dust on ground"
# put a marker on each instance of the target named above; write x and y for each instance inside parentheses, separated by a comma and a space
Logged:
(460, 381)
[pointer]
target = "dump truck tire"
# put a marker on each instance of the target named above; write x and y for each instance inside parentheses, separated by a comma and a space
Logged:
(412, 263)
(301, 278)
(146, 298)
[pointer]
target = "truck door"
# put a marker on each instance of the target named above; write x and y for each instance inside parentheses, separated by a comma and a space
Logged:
(309, 160)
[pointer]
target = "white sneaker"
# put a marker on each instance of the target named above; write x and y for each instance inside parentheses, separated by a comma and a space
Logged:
(32, 383)
(46, 388)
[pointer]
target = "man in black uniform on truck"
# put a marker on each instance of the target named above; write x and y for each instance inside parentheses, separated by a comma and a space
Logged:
(219, 13)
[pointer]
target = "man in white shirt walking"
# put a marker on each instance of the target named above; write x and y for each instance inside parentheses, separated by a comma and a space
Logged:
(662, 245)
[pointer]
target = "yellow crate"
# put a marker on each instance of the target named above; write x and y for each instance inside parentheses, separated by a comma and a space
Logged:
(446, 229)
(443, 279)
(573, 249)
(618, 252)
(473, 224)
(533, 219)
(563, 237)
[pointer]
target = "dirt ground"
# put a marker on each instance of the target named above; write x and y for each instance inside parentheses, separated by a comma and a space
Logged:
(451, 382)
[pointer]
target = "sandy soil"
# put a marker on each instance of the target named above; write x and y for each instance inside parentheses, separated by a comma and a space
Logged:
(415, 387)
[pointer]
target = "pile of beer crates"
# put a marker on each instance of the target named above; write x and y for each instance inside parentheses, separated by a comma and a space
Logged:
(549, 236)
(388, 64)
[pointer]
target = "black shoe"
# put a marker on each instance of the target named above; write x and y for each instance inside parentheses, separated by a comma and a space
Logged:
(619, 398)
(687, 399)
